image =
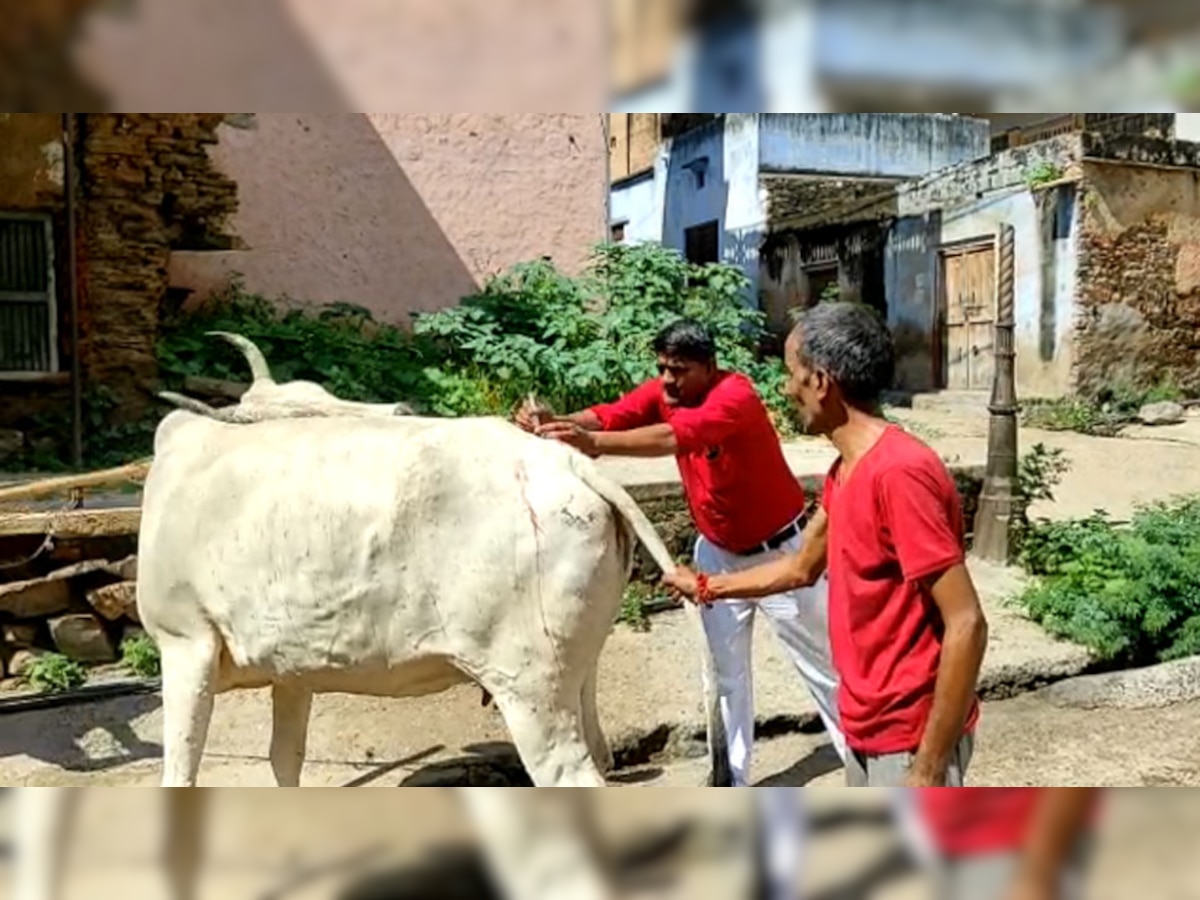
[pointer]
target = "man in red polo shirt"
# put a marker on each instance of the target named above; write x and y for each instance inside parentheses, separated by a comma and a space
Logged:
(747, 506)
(907, 629)
(1008, 843)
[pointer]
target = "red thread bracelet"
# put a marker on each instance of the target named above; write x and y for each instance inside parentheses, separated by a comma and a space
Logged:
(703, 592)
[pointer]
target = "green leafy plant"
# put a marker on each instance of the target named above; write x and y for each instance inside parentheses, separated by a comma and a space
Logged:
(1044, 172)
(140, 655)
(1067, 414)
(1039, 471)
(1130, 592)
(578, 341)
(54, 673)
(634, 604)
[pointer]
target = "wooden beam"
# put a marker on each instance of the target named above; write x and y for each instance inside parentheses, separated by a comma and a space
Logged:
(79, 523)
(48, 487)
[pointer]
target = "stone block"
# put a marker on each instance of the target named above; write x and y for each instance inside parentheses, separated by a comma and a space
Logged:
(115, 601)
(83, 638)
(20, 661)
(46, 596)
(1164, 413)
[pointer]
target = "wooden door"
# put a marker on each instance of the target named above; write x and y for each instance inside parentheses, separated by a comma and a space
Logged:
(969, 300)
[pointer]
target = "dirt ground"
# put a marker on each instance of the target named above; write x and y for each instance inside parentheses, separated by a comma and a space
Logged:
(694, 844)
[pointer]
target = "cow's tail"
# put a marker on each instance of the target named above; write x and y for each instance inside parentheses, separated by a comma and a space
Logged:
(618, 497)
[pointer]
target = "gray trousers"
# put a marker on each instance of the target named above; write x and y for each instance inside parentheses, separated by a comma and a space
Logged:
(863, 770)
(990, 876)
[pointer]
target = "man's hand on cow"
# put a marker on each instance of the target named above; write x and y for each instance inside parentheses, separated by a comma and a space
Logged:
(530, 415)
(681, 584)
(569, 433)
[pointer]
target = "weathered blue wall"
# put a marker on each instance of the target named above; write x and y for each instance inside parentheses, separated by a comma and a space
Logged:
(891, 145)
(635, 202)
(1045, 281)
(727, 151)
(663, 206)
(1043, 359)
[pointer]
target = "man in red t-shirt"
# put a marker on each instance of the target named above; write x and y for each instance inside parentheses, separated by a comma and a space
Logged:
(905, 622)
(746, 503)
(1007, 843)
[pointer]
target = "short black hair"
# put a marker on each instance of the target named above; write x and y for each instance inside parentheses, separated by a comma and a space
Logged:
(686, 339)
(851, 342)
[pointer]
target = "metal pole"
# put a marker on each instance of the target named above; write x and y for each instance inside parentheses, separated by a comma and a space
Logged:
(993, 521)
(68, 125)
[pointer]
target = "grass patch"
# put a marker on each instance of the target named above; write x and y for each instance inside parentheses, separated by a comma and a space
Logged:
(54, 673)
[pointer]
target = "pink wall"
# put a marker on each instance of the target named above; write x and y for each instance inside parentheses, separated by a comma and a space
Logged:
(403, 211)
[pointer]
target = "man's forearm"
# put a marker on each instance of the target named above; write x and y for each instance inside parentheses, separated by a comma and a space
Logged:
(586, 419)
(775, 577)
(1061, 817)
(796, 570)
(653, 440)
(963, 646)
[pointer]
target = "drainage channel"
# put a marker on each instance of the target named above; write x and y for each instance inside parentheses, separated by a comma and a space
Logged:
(79, 696)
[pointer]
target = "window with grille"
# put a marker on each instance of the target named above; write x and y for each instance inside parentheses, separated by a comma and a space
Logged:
(28, 315)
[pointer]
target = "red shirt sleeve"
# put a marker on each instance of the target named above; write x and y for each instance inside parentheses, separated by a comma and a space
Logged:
(918, 510)
(637, 409)
(727, 409)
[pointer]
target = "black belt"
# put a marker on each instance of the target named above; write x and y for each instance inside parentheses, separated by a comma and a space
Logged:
(779, 538)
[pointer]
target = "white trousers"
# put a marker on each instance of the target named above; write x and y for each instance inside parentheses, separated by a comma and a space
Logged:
(800, 619)
(784, 825)
(783, 830)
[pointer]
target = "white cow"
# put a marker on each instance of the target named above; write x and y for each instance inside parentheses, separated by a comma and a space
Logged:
(591, 515)
(467, 441)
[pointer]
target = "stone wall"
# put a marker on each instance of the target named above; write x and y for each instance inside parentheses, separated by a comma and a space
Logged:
(810, 201)
(1138, 304)
(77, 598)
(148, 187)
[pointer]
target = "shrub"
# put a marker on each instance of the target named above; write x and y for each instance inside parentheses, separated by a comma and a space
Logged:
(55, 673)
(140, 655)
(1131, 593)
(580, 341)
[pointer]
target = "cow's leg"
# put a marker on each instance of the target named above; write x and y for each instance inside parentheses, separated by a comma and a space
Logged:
(592, 729)
(539, 845)
(546, 725)
(42, 826)
(189, 667)
(291, 705)
(184, 845)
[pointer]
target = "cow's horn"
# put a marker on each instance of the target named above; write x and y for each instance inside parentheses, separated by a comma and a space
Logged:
(258, 363)
(187, 403)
